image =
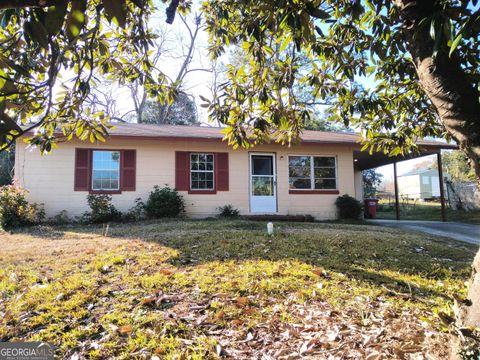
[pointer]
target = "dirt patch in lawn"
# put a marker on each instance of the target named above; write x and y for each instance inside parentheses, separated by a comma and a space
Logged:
(216, 289)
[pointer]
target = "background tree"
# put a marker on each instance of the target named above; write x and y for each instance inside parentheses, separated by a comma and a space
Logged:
(371, 179)
(179, 48)
(456, 164)
(183, 111)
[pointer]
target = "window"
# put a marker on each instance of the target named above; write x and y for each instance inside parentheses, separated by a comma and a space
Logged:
(106, 170)
(201, 171)
(426, 180)
(312, 172)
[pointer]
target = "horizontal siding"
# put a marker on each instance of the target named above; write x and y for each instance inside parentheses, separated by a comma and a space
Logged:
(49, 178)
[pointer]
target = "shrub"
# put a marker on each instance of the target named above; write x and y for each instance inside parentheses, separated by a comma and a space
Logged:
(15, 210)
(228, 211)
(165, 202)
(102, 209)
(348, 207)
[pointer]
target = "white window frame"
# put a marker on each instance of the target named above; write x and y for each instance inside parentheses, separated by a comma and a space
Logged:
(312, 172)
(202, 171)
(93, 169)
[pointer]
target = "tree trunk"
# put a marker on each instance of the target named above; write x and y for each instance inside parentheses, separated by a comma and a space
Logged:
(456, 100)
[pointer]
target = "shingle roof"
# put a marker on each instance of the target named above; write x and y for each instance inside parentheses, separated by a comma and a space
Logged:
(131, 130)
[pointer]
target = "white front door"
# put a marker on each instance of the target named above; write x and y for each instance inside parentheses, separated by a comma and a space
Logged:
(263, 184)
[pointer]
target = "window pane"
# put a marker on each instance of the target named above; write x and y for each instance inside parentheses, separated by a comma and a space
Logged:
(262, 165)
(201, 171)
(262, 186)
(300, 183)
(299, 171)
(106, 170)
(97, 156)
(324, 161)
(325, 184)
(324, 172)
(299, 161)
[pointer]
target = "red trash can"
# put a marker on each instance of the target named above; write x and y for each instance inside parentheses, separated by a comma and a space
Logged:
(371, 208)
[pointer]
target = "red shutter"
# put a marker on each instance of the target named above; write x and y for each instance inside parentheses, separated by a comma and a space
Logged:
(221, 166)
(182, 171)
(128, 170)
(82, 170)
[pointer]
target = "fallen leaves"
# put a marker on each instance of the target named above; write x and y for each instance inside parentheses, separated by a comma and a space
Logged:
(125, 329)
(166, 272)
(242, 301)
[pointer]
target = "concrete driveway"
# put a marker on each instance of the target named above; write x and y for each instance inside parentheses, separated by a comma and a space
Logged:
(459, 231)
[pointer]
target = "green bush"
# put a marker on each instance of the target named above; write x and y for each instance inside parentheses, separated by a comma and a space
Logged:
(348, 207)
(102, 209)
(165, 202)
(15, 210)
(228, 211)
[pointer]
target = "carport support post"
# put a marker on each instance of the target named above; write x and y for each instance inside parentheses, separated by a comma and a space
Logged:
(440, 183)
(395, 181)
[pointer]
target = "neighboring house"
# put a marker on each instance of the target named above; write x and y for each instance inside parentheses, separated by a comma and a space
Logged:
(420, 184)
(266, 179)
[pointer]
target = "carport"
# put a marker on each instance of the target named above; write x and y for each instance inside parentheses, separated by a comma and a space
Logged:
(363, 160)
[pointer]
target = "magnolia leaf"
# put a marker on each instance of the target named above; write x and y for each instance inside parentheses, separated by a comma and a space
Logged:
(55, 17)
(166, 272)
(455, 43)
(242, 301)
(125, 329)
(39, 33)
(76, 19)
(116, 11)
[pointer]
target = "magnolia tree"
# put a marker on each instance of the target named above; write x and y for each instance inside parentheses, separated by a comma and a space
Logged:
(418, 62)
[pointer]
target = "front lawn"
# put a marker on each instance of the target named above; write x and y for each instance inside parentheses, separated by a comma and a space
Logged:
(224, 289)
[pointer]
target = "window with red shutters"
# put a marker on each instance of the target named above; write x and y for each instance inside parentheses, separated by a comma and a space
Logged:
(183, 172)
(82, 170)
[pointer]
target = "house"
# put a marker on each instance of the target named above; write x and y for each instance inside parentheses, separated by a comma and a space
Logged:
(420, 184)
(268, 179)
